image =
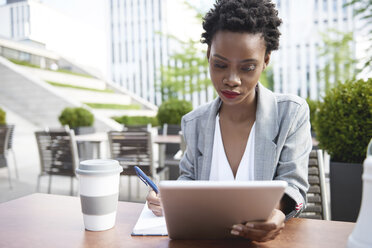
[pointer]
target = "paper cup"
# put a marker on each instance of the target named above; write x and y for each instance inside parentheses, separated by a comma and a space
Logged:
(99, 192)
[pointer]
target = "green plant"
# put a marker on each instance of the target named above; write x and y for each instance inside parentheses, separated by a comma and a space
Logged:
(78, 87)
(2, 117)
(187, 68)
(313, 105)
(136, 120)
(343, 123)
(337, 53)
(97, 105)
(76, 117)
(267, 78)
(171, 111)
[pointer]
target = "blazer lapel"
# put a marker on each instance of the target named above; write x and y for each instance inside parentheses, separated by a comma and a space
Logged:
(267, 128)
(206, 148)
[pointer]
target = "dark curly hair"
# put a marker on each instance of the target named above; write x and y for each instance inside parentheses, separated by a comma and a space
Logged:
(251, 16)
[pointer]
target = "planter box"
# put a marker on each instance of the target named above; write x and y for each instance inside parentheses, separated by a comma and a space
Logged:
(346, 190)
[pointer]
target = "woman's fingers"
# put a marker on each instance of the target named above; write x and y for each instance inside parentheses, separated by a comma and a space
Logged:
(154, 204)
(261, 231)
(261, 235)
(153, 198)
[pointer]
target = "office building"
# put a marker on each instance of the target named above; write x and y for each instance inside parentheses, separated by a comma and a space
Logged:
(39, 24)
(140, 45)
(296, 63)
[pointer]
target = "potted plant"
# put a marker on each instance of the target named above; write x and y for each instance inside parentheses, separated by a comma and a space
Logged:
(170, 113)
(133, 122)
(313, 104)
(79, 119)
(343, 126)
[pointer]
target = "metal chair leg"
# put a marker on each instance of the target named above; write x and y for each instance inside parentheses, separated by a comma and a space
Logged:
(72, 186)
(129, 189)
(15, 163)
(138, 189)
(38, 183)
(49, 184)
(10, 178)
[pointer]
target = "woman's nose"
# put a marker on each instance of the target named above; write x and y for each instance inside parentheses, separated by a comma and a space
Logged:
(232, 80)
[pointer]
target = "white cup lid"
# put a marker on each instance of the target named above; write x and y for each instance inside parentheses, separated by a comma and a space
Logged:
(99, 166)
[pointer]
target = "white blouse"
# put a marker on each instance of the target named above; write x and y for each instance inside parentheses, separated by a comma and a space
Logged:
(220, 168)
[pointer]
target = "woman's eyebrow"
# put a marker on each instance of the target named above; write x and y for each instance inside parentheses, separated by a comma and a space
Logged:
(242, 61)
(249, 60)
(220, 57)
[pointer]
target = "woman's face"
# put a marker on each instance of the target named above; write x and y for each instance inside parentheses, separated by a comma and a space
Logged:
(236, 61)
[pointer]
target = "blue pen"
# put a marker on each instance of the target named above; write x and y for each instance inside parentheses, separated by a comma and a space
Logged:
(146, 179)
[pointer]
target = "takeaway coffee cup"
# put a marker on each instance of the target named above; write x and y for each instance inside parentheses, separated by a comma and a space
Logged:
(99, 192)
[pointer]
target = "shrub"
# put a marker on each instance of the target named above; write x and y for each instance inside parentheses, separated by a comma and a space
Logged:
(343, 123)
(313, 104)
(136, 120)
(171, 111)
(2, 117)
(76, 117)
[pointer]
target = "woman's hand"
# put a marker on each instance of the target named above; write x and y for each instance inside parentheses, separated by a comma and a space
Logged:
(153, 202)
(261, 231)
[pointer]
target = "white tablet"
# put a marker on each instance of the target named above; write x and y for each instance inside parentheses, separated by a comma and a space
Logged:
(208, 209)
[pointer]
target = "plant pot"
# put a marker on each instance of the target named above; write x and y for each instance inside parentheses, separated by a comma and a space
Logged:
(83, 130)
(85, 149)
(346, 190)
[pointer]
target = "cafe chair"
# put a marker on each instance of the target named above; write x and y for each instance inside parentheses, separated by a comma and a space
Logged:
(317, 206)
(133, 148)
(58, 155)
(10, 148)
(4, 139)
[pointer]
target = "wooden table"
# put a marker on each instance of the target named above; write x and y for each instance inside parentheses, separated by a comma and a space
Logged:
(42, 220)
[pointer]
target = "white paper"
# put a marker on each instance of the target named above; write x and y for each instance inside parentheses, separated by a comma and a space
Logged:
(149, 224)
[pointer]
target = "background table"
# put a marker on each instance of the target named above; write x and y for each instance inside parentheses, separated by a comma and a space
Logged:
(42, 220)
(162, 140)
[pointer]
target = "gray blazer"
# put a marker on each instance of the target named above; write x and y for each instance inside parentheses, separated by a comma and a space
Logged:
(282, 142)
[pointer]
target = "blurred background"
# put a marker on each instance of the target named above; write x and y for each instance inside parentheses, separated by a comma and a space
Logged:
(125, 60)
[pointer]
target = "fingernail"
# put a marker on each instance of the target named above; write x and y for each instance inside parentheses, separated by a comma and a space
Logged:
(236, 227)
(250, 225)
(233, 232)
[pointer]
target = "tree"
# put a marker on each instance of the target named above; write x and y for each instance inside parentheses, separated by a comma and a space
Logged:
(186, 72)
(187, 69)
(267, 78)
(338, 55)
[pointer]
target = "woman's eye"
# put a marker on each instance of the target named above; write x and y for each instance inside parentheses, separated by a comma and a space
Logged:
(249, 68)
(219, 66)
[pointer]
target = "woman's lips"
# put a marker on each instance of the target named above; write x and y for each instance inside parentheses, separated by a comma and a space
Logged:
(229, 94)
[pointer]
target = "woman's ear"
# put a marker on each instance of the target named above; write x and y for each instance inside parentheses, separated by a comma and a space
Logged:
(266, 61)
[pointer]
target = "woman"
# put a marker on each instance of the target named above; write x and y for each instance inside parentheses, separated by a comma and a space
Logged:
(248, 132)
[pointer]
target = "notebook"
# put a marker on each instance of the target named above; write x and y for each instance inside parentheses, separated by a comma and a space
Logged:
(148, 224)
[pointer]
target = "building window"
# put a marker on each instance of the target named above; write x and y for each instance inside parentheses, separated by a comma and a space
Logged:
(325, 6)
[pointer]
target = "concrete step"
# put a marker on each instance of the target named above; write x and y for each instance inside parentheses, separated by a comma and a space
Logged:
(35, 100)
(65, 78)
(95, 97)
